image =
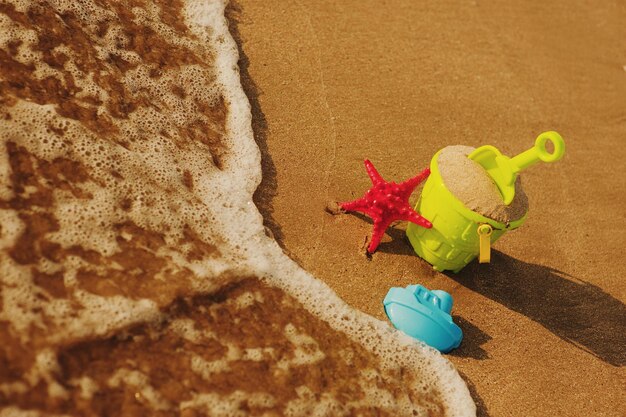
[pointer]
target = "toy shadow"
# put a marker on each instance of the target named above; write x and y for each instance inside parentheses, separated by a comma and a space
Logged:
(574, 310)
(473, 339)
(399, 243)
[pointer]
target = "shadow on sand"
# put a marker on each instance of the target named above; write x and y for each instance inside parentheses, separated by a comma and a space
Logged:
(266, 191)
(473, 339)
(574, 310)
(399, 243)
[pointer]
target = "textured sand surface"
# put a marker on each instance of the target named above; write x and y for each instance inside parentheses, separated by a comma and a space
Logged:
(397, 81)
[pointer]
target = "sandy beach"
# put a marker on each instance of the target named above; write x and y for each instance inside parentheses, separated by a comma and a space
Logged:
(332, 83)
(168, 170)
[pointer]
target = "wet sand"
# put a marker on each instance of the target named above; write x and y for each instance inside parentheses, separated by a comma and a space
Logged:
(332, 83)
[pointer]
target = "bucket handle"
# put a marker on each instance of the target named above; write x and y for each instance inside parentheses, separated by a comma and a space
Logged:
(539, 152)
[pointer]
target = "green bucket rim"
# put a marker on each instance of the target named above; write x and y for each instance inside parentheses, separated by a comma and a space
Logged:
(466, 212)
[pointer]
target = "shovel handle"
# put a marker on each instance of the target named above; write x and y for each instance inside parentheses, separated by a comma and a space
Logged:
(539, 152)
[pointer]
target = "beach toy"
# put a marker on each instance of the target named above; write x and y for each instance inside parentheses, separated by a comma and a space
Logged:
(503, 170)
(459, 234)
(424, 315)
(387, 202)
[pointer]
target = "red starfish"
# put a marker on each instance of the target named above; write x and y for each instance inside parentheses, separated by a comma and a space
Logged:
(387, 202)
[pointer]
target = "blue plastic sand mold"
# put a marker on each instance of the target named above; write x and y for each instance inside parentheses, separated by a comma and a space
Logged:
(424, 315)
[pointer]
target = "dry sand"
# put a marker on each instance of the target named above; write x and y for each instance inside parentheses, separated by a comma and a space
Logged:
(334, 82)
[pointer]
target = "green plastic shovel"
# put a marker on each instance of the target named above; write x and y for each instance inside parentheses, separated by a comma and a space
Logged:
(503, 170)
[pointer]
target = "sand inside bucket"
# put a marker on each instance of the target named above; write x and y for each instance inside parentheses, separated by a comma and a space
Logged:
(471, 184)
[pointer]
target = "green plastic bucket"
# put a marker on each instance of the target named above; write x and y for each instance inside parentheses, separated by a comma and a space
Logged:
(453, 241)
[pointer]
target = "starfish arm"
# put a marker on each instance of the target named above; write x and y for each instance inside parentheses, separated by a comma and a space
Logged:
(377, 234)
(373, 174)
(413, 217)
(386, 202)
(409, 185)
(356, 205)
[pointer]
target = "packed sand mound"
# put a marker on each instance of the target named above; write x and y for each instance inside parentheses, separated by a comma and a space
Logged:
(473, 186)
(135, 276)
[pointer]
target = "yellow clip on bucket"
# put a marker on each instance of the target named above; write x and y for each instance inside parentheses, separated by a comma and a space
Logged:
(459, 234)
(484, 251)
